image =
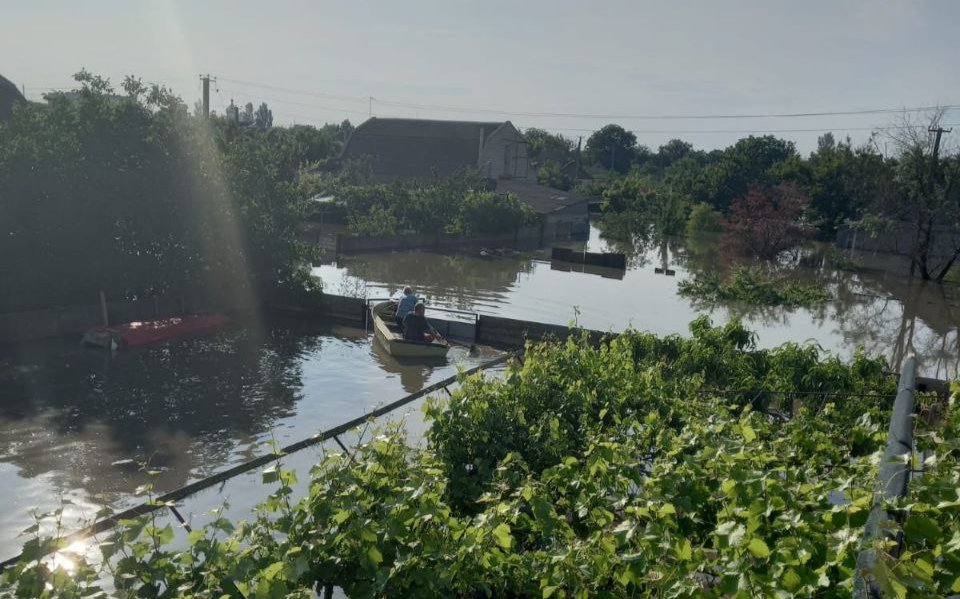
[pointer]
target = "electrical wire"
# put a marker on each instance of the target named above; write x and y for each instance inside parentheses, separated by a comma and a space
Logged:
(527, 113)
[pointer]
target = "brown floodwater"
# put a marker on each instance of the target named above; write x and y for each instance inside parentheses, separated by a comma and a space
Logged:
(875, 305)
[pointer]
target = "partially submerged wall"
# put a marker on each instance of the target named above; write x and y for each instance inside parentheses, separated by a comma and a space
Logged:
(523, 238)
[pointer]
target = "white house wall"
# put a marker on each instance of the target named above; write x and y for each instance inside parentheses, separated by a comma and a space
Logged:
(504, 155)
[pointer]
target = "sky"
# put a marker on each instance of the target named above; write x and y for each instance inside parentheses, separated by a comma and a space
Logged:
(527, 62)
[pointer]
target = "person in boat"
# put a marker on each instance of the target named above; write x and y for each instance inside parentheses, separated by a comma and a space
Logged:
(406, 304)
(416, 327)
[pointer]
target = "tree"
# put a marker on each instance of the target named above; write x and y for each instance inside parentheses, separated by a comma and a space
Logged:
(542, 143)
(134, 196)
(246, 117)
(926, 199)
(672, 151)
(612, 147)
(765, 221)
(752, 160)
(551, 175)
(845, 180)
(264, 117)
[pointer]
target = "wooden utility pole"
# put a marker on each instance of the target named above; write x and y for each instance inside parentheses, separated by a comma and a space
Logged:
(936, 144)
(371, 99)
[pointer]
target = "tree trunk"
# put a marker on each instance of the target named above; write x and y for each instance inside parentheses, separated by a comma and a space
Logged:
(943, 272)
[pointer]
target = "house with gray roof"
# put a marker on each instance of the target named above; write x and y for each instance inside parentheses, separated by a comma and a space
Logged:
(425, 148)
(9, 95)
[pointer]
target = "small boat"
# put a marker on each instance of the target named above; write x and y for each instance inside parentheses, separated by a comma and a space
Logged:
(388, 332)
(133, 334)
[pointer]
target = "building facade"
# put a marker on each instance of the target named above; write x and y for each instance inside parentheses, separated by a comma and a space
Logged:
(411, 149)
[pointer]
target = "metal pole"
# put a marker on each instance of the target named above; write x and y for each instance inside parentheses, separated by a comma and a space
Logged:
(892, 480)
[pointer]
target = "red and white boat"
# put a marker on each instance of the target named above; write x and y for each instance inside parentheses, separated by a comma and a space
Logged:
(133, 334)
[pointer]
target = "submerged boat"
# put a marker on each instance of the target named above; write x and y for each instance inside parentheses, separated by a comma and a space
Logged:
(133, 334)
(388, 332)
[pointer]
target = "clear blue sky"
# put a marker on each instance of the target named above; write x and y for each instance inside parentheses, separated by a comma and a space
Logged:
(626, 58)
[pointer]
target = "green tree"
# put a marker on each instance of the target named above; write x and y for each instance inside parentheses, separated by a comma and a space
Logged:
(132, 195)
(484, 212)
(612, 147)
(551, 175)
(672, 151)
(263, 119)
(750, 160)
(926, 200)
(703, 219)
(541, 142)
(845, 181)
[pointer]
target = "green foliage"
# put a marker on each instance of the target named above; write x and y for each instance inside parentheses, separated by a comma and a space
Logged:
(637, 201)
(543, 144)
(753, 286)
(928, 564)
(612, 147)
(703, 219)
(132, 195)
(846, 181)
(551, 176)
(642, 466)
(484, 212)
(457, 204)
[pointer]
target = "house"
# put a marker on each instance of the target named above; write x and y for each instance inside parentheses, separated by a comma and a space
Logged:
(9, 95)
(425, 148)
(563, 214)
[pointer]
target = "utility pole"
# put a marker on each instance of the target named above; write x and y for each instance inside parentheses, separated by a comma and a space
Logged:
(206, 94)
(371, 98)
(936, 144)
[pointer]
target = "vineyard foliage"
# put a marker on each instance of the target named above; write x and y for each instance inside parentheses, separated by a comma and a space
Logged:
(642, 467)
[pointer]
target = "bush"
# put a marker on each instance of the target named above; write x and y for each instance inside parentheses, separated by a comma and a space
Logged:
(551, 176)
(753, 286)
(641, 467)
(703, 219)
(484, 212)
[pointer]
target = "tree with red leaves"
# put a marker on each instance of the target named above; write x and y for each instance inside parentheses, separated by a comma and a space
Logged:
(766, 221)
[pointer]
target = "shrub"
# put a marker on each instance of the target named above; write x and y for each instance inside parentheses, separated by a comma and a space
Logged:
(753, 286)
(551, 175)
(703, 219)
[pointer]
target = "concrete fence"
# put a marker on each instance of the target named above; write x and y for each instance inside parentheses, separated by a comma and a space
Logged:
(509, 332)
(523, 238)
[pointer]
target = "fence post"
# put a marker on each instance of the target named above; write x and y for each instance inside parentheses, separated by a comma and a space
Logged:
(891, 481)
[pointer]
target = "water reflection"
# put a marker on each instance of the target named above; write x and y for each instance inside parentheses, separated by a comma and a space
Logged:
(75, 423)
(881, 310)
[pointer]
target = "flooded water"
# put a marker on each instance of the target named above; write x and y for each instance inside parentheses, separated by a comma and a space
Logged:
(875, 307)
(74, 422)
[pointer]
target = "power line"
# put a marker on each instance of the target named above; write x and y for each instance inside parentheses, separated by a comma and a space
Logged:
(810, 130)
(250, 96)
(296, 91)
(446, 108)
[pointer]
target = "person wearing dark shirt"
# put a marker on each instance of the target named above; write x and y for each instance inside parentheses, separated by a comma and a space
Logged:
(416, 327)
